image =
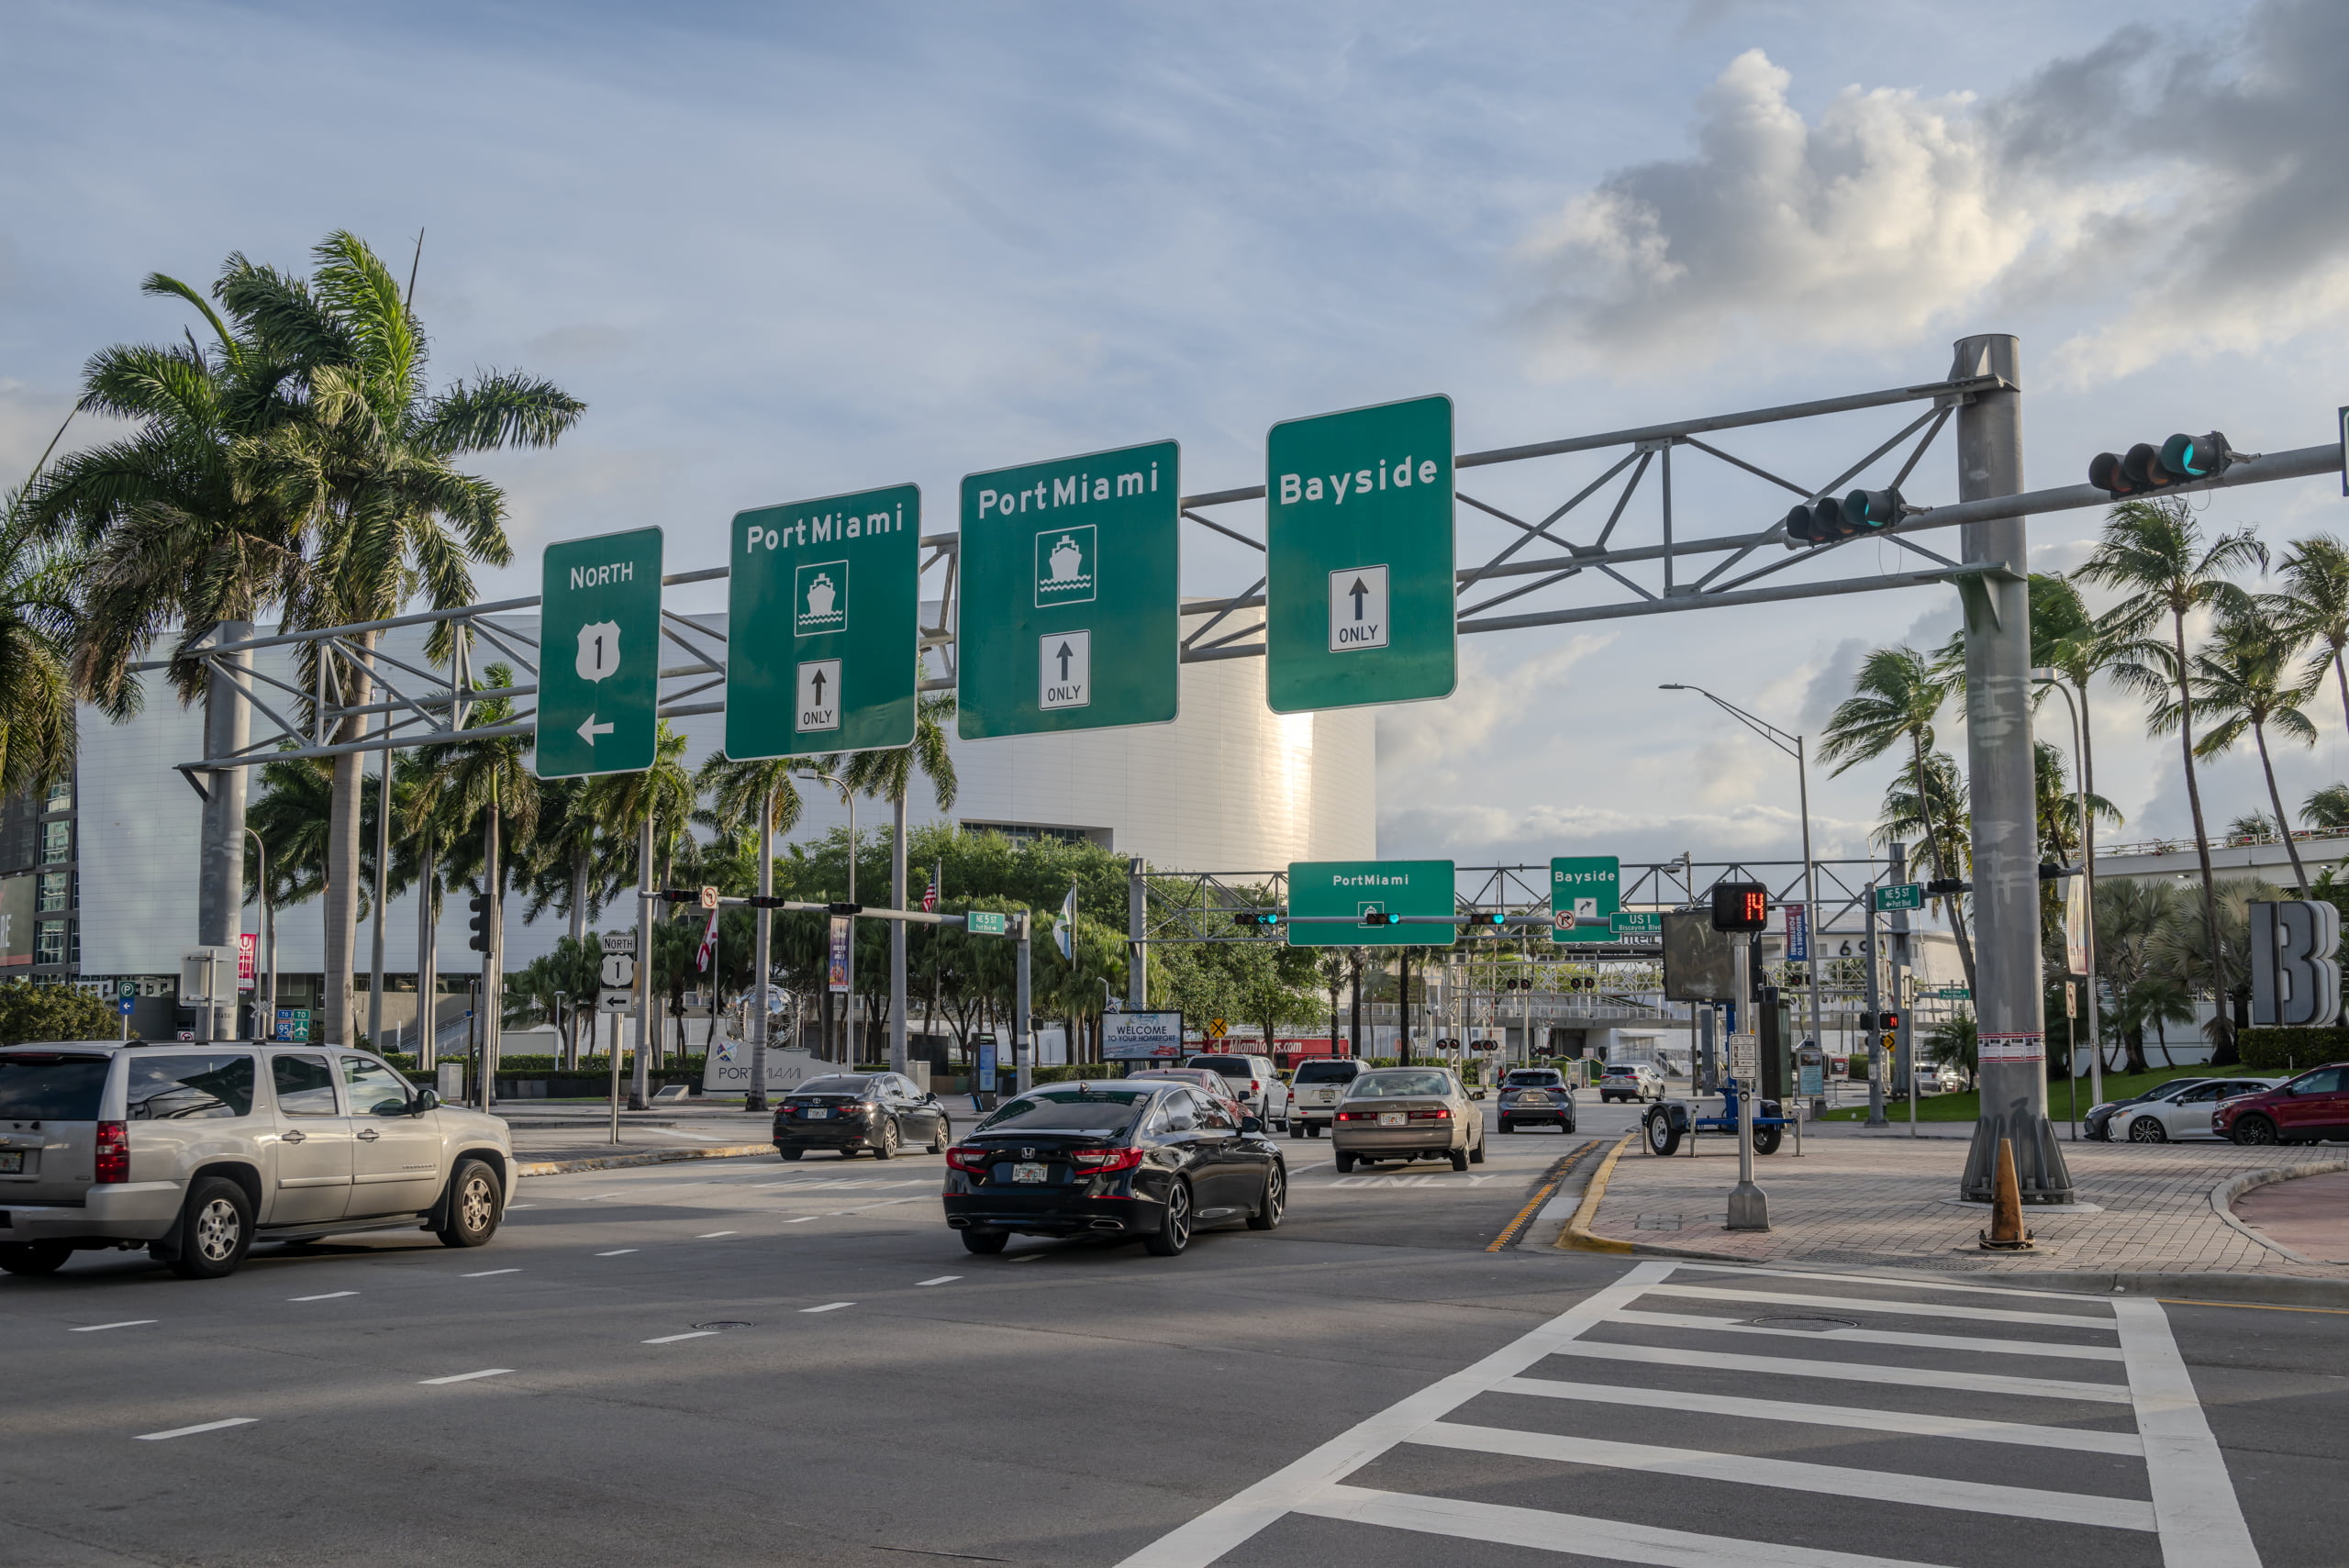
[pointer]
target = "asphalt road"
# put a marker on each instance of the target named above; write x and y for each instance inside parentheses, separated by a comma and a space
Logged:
(745, 1362)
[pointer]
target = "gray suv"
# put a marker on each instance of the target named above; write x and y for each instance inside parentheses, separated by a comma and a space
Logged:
(196, 1151)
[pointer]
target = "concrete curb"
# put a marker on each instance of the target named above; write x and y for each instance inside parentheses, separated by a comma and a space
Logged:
(2224, 1196)
(653, 1157)
(1577, 1236)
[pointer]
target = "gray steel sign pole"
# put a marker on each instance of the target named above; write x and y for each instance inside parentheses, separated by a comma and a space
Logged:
(2087, 869)
(1877, 1066)
(1024, 1074)
(1749, 1209)
(220, 887)
(2008, 1007)
(1137, 927)
(761, 957)
(638, 1077)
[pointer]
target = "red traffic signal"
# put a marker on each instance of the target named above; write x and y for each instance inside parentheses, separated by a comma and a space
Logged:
(1741, 906)
(2177, 460)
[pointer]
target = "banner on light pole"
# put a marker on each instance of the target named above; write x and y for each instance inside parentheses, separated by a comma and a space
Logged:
(1798, 933)
(837, 967)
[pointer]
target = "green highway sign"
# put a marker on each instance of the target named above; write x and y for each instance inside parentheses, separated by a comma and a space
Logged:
(985, 923)
(823, 624)
(599, 655)
(1949, 993)
(1358, 558)
(1070, 617)
(1900, 895)
(1637, 924)
(1361, 887)
(1585, 885)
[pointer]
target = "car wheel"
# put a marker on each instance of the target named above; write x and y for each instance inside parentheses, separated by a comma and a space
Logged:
(890, 1137)
(215, 1229)
(1173, 1232)
(1663, 1138)
(790, 1154)
(987, 1243)
(1275, 1200)
(34, 1257)
(2254, 1130)
(1506, 1125)
(1297, 1129)
(1476, 1155)
(942, 1137)
(2148, 1130)
(474, 1202)
(1312, 1129)
(1346, 1161)
(1460, 1159)
(1766, 1139)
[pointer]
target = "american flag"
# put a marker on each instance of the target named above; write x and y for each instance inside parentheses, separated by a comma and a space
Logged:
(708, 944)
(930, 894)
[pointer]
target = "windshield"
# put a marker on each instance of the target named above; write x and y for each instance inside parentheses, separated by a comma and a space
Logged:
(838, 1083)
(48, 1088)
(1389, 1084)
(1229, 1066)
(1327, 1071)
(1095, 1110)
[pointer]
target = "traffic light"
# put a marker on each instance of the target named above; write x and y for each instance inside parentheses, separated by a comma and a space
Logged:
(1741, 906)
(479, 905)
(1888, 1021)
(843, 908)
(680, 894)
(1489, 918)
(1943, 886)
(1381, 917)
(1829, 519)
(2177, 460)
(1252, 919)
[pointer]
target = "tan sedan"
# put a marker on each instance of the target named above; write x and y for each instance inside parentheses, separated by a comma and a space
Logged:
(1407, 1112)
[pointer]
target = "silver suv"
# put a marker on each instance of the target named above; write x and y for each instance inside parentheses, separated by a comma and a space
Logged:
(1256, 1083)
(196, 1151)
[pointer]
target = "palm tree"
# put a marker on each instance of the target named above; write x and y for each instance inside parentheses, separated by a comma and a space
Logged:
(2241, 681)
(37, 624)
(2327, 807)
(1895, 700)
(2152, 551)
(651, 811)
(889, 775)
(2314, 609)
(369, 466)
(758, 794)
(2129, 916)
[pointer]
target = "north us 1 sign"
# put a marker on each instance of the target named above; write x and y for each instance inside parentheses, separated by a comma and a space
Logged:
(599, 655)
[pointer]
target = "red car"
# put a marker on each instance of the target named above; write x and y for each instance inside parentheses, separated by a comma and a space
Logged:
(1215, 1084)
(2309, 1109)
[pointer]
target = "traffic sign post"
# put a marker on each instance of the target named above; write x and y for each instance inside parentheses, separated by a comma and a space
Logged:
(1329, 900)
(1584, 886)
(599, 655)
(1072, 592)
(824, 624)
(1899, 896)
(1359, 558)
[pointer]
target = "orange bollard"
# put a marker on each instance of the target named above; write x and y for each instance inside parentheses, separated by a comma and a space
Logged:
(2005, 1233)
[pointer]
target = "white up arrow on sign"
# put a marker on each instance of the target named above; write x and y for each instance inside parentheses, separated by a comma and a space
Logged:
(589, 730)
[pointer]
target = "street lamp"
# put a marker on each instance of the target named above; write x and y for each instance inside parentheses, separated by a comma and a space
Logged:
(2049, 676)
(1792, 745)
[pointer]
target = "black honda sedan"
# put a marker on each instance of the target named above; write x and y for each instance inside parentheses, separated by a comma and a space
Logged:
(1113, 1160)
(856, 1111)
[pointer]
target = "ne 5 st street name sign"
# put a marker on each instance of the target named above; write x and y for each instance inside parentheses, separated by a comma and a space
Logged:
(823, 619)
(1070, 615)
(1362, 887)
(599, 655)
(1359, 558)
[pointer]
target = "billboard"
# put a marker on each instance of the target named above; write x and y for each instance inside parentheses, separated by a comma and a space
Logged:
(1140, 1037)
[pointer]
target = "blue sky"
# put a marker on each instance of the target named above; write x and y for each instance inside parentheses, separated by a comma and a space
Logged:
(792, 250)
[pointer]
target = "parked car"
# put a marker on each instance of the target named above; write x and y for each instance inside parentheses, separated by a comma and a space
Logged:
(1407, 1112)
(196, 1151)
(856, 1111)
(2184, 1115)
(1110, 1161)
(1198, 1078)
(1633, 1080)
(1536, 1097)
(1314, 1089)
(2311, 1108)
(2099, 1122)
(1939, 1078)
(1255, 1082)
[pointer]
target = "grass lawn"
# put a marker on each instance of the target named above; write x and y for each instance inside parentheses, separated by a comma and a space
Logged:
(1968, 1107)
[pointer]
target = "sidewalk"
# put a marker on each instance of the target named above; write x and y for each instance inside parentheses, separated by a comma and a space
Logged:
(1875, 1201)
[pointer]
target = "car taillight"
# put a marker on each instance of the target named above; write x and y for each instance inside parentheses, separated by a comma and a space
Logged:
(970, 1158)
(1439, 1114)
(114, 1151)
(1255, 1088)
(1354, 1116)
(1102, 1161)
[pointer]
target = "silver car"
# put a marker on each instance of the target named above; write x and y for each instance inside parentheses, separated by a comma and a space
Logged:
(1407, 1112)
(196, 1151)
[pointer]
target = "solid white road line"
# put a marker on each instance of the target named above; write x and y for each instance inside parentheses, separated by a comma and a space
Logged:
(1606, 1540)
(1857, 1371)
(617, 1253)
(2071, 1439)
(2201, 1522)
(1699, 1464)
(330, 1295)
(486, 1273)
(714, 1235)
(673, 1339)
(829, 1307)
(512, 1207)
(191, 1431)
(943, 1279)
(1232, 1521)
(804, 1219)
(1966, 1343)
(126, 1323)
(1898, 1309)
(1024, 1258)
(465, 1376)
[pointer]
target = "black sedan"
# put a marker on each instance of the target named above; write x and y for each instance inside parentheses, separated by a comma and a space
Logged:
(1111, 1161)
(855, 1111)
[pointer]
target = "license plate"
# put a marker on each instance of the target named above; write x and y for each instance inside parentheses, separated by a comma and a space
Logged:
(12, 1162)
(1027, 1172)
(1392, 1119)
(815, 1116)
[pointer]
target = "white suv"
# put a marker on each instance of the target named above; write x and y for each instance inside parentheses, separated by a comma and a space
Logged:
(1633, 1080)
(196, 1151)
(1316, 1087)
(1256, 1083)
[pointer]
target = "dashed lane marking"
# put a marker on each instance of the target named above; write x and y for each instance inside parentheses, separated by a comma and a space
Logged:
(191, 1431)
(618, 1252)
(673, 1339)
(943, 1279)
(127, 1323)
(829, 1307)
(464, 1376)
(329, 1296)
(485, 1274)
(714, 1235)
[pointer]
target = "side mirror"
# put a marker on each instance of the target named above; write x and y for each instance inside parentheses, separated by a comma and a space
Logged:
(1251, 1124)
(423, 1100)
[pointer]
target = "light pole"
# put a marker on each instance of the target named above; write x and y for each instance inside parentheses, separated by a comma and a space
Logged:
(848, 1003)
(1793, 746)
(268, 1020)
(2046, 676)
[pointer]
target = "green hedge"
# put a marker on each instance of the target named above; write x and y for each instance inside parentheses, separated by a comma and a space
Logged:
(2291, 1050)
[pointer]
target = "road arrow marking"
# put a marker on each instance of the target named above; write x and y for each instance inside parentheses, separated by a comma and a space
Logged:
(589, 730)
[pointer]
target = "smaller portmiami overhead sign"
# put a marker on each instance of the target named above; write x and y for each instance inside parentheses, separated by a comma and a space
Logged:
(1372, 904)
(599, 655)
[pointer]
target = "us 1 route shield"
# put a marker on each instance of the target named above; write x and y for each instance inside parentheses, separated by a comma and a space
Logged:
(823, 624)
(599, 655)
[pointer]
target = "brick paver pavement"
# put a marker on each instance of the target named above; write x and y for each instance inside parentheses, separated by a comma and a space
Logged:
(1852, 1200)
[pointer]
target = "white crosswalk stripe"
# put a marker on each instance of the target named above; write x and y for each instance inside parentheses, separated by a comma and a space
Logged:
(1941, 1429)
